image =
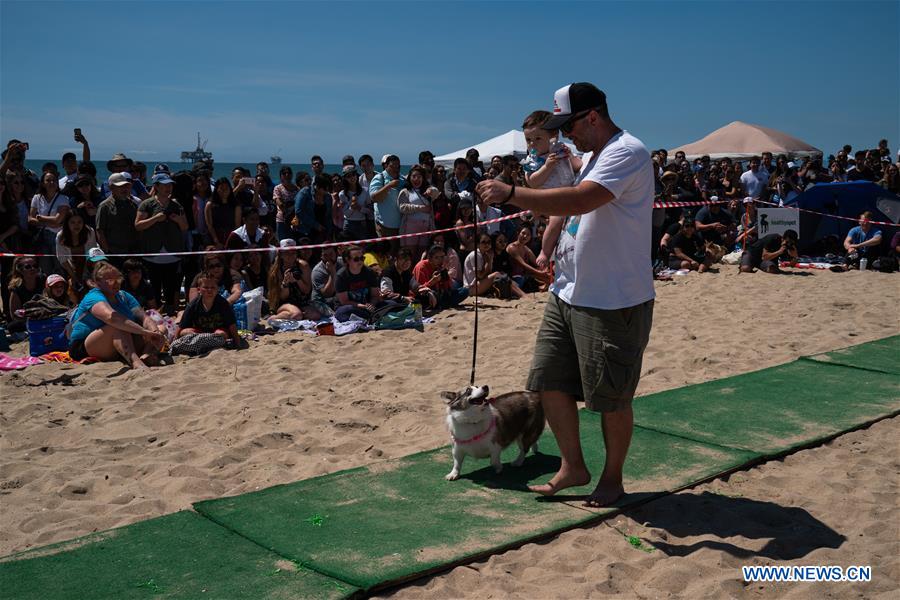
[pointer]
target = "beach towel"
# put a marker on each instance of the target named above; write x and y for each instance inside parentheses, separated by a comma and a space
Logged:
(12, 363)
(63, 357)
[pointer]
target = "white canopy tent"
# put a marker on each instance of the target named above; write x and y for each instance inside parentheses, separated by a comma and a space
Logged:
(511, 142)
(744, 140)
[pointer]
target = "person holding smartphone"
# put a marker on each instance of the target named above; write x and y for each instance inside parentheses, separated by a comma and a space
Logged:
(435, 282)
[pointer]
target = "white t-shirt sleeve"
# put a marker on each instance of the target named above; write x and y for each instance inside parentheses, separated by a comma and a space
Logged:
(615, 170)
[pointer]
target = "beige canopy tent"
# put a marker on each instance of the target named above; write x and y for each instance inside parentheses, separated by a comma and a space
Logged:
(743, 140)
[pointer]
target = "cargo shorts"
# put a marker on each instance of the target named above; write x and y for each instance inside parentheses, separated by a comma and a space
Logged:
(591, 353)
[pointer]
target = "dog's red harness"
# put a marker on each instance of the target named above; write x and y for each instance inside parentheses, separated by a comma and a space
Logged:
(484, 433)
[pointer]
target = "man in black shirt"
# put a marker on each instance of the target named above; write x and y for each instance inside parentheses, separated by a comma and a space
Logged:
(765, 252)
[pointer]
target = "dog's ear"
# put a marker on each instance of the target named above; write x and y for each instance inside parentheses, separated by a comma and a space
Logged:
(448, 396)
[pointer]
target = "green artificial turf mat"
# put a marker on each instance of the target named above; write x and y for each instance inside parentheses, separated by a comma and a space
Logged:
(773, 410)
(400, 519)
(181, 555)
(881, 355)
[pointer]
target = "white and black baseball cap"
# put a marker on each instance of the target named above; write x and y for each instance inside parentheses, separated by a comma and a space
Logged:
(573, 99)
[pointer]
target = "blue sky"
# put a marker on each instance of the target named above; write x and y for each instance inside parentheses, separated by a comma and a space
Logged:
(349, 77)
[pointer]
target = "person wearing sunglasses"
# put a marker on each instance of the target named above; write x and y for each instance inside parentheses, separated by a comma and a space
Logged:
(25, 282)
(357, 287)
(597, 320)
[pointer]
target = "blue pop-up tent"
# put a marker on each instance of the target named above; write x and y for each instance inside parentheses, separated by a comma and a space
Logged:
(846, 200)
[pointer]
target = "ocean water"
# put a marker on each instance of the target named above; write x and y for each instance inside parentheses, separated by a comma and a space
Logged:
(221, 169)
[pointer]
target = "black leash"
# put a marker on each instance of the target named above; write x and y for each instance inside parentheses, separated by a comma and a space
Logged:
(475, 329)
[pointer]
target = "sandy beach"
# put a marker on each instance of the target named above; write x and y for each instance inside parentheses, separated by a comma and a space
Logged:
(87, 448)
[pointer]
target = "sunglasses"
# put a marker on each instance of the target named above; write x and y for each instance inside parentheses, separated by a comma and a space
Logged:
(567, 127)
(356, 258)
(83, 184)
(28, 266)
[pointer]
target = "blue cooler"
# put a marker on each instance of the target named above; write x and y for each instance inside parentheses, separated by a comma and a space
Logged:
(47, 335)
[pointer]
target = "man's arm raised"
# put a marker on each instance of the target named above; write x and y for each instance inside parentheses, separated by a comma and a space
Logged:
(565, 201)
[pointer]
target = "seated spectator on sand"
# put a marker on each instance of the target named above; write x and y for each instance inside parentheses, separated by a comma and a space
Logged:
(256, 272)
(715, 225)
(324, 277)
(357, 287)
(502, 260)
(434, 279)
(863, 241)
(687, 249)
(236, 262)
(25, 283)
(764, 254)
(416, 213)
(72, 244)
(397, 281)
(451, 260)
(250, 234)
(377, 257)
(57, 289)
(489, 282)
(136, 284)
(209, 312)
(290, 285)
(228, 288)
(356, 206)
(110, 324)
(525, 271)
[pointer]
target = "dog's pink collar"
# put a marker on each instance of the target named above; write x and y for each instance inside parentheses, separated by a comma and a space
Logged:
(481, 435)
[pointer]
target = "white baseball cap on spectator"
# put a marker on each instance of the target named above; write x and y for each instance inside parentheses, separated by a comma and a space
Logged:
(384, 159)
(96, 254)
(287, 243)
(119, 179)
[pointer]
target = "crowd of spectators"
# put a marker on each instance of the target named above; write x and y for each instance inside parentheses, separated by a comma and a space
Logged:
(255, 232)
(687, 238)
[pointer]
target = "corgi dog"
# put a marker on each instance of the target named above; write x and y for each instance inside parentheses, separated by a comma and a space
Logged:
(482, 427)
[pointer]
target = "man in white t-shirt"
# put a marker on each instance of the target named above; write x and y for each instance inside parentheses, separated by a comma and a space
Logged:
(754, 181)
(597, 320)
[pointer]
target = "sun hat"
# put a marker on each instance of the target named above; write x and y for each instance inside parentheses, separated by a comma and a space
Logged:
(119, 179)
(162, 177)
(572, 99)
(96, 254)
(54, 279)
(118, 157)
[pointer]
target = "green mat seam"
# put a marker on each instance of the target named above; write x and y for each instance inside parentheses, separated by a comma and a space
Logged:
(837, 363)
(690, 439)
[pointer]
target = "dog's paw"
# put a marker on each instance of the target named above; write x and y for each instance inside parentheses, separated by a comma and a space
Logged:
(452, 476)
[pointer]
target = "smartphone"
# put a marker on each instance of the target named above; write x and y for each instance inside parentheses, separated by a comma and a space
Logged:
(249, 181)
(77, 132)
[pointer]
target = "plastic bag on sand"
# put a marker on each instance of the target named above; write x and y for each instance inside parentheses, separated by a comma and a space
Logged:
(732, 258)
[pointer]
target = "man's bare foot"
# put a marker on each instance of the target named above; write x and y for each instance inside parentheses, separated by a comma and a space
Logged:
(604, 494)
(562, 480)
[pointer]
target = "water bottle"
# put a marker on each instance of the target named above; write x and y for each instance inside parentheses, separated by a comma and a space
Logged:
(418, 310)
(863, 264)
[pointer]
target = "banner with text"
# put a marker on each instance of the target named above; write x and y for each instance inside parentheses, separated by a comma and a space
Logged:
(776, 220)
